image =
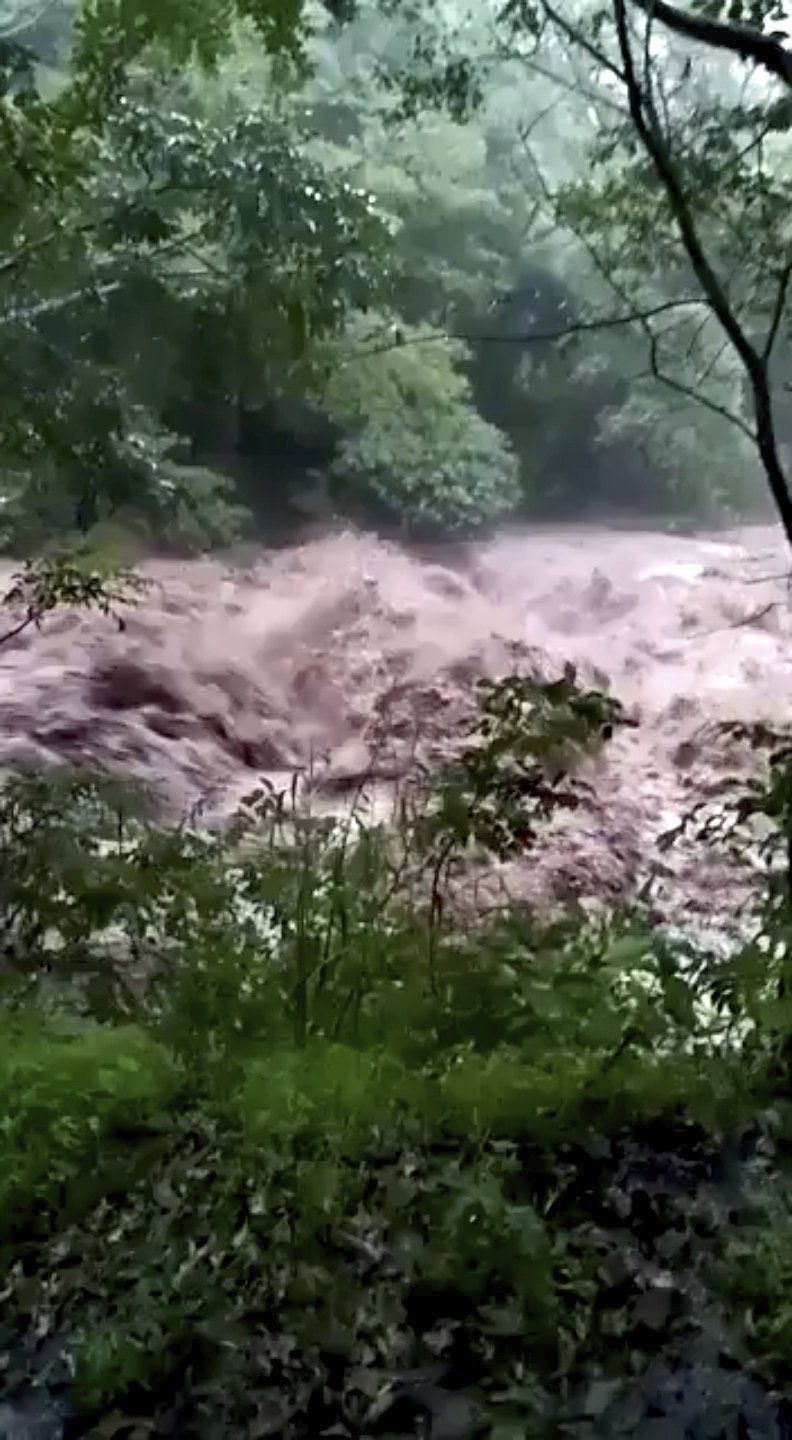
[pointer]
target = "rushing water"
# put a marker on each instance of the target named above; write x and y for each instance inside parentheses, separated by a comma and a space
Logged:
(338, 653)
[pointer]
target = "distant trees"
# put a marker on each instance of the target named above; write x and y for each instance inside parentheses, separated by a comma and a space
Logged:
(297, 223)
(677, 199)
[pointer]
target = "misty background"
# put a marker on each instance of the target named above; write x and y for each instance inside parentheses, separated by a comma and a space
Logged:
(312, 293)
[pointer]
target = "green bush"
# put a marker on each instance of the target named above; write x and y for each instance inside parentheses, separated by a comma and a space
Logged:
(64, 1096)
(320, 1139)
(412, 439)
(326, 1089)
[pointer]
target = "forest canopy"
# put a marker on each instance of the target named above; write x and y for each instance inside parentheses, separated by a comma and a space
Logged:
(426, 266)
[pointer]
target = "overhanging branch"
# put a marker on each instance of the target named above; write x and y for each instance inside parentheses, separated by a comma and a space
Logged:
(644, 318)
(743, 41)
(533, 337)
(695, 394)
(754, 362)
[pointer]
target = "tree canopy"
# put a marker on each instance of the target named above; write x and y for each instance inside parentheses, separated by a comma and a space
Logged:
(444, 265)
(677, 200)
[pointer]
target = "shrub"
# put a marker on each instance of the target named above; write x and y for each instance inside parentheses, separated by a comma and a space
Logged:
(319, 1139)
(413, 439)
(64, 1096)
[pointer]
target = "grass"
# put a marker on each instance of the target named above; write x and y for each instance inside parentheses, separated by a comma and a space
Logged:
(64, 1098)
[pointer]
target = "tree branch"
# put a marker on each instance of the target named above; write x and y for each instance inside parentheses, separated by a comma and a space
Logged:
(581, 41)
(778, 311)
(705, 274)
(32, 247)
(575, 87)
(698, 396)
(580, 327)
(741, 40)
(755, 364)
(643, 318)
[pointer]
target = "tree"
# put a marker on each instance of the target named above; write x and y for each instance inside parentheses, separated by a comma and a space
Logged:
(485, 208)
(412, 438)
(140, 237)
(387, 390)
(203, 207)
(685, 184)
(735, 320)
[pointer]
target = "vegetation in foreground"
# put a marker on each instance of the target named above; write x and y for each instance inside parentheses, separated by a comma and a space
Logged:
(282, 1156)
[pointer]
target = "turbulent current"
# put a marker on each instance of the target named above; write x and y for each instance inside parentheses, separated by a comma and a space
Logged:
(347, 656)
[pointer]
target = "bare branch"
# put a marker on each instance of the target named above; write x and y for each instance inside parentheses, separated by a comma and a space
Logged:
(580, 327)
(600, 322)
(698, 396)
(714, 361)
(9, 635)
(778, 310)
(581, 42)
(755, 618)
(644, 318)
(575, 87)
(706, 276)
(755, 364)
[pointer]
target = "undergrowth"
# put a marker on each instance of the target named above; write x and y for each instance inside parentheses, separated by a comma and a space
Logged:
(284, 1151)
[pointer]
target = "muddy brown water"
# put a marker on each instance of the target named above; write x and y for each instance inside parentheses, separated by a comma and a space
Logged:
(346, 655)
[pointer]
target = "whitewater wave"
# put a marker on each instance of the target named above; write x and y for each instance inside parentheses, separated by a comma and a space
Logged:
(353, 659)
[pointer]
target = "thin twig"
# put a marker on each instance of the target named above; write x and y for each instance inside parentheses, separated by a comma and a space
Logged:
(778, 311)
(696, 395)
(754, 363)
(752, 619)
(581, 327)
(582, 42)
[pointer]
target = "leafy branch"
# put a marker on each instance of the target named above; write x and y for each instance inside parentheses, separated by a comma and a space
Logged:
(744, 41)
(49, 584)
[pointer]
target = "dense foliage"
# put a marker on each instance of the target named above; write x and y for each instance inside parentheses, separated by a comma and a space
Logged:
(236, 274)
(678, 158)
(284, 1152)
